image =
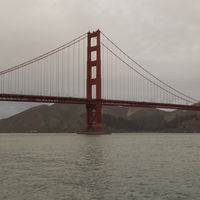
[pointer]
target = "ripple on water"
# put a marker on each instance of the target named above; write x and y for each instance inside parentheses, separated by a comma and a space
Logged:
(117, 166)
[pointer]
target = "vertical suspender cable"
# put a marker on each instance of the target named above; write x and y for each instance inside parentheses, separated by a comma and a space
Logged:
(79, 69)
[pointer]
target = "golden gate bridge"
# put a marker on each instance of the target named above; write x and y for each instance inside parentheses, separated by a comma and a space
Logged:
(94, 71)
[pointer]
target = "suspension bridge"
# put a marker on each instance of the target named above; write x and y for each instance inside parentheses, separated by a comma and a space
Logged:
(94, 71)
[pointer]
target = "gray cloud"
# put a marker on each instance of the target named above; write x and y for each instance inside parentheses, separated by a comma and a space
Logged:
(161, 34)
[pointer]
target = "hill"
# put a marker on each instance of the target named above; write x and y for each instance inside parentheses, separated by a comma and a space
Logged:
(71, 118)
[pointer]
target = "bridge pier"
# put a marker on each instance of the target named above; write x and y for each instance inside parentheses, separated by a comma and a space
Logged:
(94, 118)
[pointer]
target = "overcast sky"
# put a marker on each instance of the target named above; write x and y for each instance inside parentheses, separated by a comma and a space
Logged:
(162, 35)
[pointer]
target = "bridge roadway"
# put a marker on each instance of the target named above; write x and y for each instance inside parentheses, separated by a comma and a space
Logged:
(106, 102)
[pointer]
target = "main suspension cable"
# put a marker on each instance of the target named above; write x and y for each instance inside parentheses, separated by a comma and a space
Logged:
(74, 41)
(144, 75)
(139, 65)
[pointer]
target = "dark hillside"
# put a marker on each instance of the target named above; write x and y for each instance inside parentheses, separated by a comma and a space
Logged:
(71, 118)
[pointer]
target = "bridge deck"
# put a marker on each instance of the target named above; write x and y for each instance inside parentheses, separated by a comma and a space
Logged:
(72, 100)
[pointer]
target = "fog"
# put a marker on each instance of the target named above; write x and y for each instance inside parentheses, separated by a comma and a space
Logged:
(162, 35)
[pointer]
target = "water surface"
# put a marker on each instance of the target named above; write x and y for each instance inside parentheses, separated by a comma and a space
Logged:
(118, 166)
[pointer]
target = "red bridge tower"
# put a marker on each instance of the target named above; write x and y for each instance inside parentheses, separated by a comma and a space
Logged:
(94, 108)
